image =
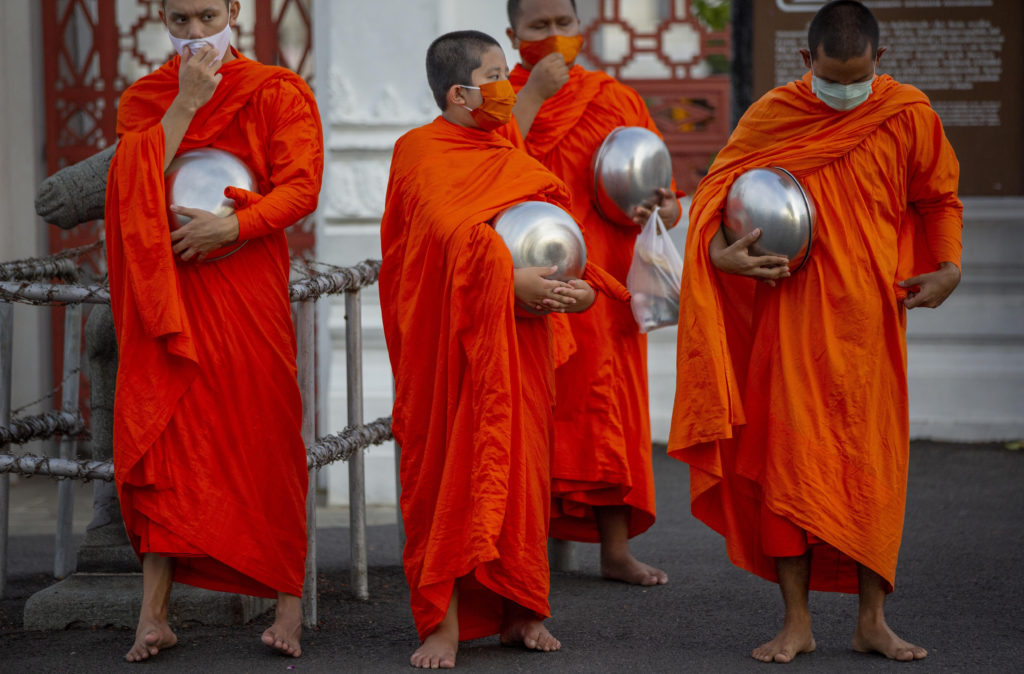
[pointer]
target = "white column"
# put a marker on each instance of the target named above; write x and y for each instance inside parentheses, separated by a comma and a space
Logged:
(371, 86)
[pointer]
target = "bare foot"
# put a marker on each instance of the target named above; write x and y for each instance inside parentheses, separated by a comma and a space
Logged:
(878, 638)
(151, 637)
(793, 640)
(530, 633)
(629, 569)
(437, 651)
(285, 635)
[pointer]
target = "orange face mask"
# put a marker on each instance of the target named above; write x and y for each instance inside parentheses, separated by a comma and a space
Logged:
(568, 47)
(496, 110)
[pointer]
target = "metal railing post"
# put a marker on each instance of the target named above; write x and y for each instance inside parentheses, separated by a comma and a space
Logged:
(398, 488)
(6, 378)
(356, 472)
(63, 556)
(307, 386)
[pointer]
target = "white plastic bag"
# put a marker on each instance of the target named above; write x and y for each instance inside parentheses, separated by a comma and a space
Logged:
(654, 277)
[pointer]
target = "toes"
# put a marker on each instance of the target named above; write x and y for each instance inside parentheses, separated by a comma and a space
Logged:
(783, 657)
(552, 644)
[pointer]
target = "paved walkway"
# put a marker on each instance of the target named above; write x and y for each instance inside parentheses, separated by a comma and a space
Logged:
(960, 593)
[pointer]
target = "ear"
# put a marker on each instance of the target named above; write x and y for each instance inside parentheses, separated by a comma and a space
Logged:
(512, 37)
(878, 55)
(233, 12)
(806, 54)
(456, 96)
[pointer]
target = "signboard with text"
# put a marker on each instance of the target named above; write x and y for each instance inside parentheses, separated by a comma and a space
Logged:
(966, 55)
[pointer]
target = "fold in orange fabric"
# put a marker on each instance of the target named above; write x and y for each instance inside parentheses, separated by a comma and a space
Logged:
(791, 402)
(473, 383)
(602, 419)
(208, 457)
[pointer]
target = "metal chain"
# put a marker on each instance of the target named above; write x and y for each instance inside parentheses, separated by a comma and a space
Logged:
(337, 447)
(42, 426)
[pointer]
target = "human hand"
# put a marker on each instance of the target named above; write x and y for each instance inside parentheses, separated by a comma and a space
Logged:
(203, 234)
(581, 292)
(198, 77)
(932, 288)
(737, 258)
(537, 292)
(668, 208)
(547, 76)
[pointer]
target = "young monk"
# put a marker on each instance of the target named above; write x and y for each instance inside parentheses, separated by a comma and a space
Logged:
(209, 462)
(602, 478)
(473, 373)
(791, 400)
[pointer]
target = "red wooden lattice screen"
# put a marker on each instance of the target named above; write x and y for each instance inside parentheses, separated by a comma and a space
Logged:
(679, 66)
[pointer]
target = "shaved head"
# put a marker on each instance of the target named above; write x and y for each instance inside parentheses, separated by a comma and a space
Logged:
(844, 29)
(515, 10)
(452, 58)
(227, 3)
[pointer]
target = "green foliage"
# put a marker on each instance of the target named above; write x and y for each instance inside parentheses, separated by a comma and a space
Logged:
(712, 13)
(719, 64)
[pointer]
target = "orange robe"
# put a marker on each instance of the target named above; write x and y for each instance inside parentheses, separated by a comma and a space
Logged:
(791, 402)
(602, 417)
(209, 461)
(473, 383)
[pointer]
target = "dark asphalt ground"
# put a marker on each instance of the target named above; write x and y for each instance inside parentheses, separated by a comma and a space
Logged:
(960, 593)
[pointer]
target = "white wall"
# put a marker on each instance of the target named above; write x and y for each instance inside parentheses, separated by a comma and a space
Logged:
(22, 234)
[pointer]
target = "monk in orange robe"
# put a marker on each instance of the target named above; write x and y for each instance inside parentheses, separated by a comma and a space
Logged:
(602, 478)
(791, 399)
(209, 461)
(474, 389)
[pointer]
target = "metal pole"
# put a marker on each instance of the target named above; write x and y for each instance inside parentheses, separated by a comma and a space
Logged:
(562, 555)
(307, 374)
(6, 348)
(356, 473)
(398, 488)
(63, 556)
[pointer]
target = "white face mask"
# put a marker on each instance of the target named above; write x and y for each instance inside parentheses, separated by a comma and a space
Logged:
(841, 97)
(221, 41)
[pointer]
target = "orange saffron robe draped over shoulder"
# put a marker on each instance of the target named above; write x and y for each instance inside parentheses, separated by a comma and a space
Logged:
(473, 382)
(209, 461)
(791, 402)
(602, 418)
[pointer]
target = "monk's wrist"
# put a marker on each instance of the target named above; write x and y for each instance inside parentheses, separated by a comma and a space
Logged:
(231, 228)
(183, 106)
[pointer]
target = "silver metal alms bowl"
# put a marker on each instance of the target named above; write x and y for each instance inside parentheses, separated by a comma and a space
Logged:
(539, 234)
(628, 168)
(772, 199)
(197, 178)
